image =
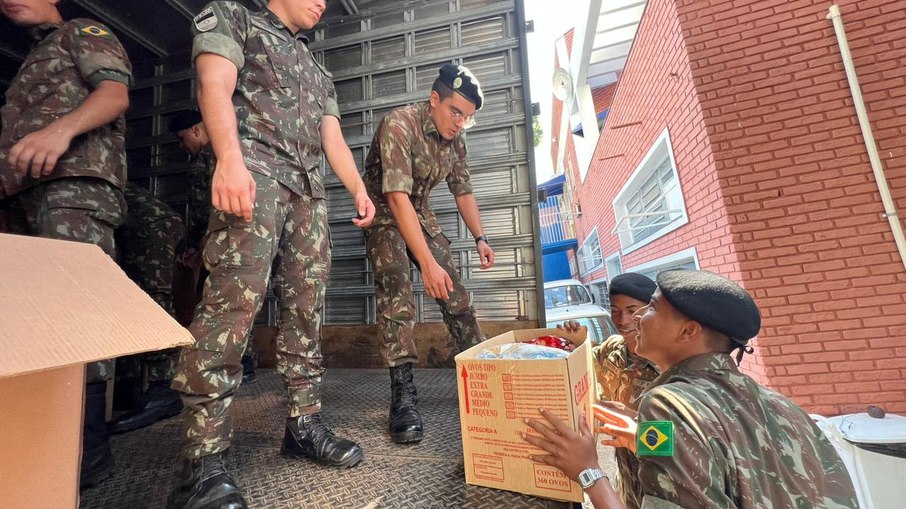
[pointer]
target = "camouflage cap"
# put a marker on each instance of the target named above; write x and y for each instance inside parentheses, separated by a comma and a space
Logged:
(713, 301)
(184, 120)
(633, 285)
(463, 82)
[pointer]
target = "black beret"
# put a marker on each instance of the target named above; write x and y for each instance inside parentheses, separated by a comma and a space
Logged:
(633, 285)
(713, 301)
(184, 120)
(463, 82)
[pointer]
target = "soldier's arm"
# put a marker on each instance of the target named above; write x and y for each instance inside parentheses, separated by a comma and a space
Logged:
(232, 185)
(687, 466)
(39, 151)
(436, 280)
(468, 209)
(341, 161)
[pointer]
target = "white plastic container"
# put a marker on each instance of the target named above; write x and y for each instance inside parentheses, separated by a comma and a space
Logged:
(872, 450)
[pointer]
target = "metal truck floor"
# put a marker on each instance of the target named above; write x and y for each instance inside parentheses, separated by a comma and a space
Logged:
(424, 475)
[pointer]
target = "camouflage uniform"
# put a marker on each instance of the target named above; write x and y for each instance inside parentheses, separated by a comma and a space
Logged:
(148, 242)
(280, 98)
(199, 203)
(408, 155)
(736, 444)
(623, 376)
(81, 200)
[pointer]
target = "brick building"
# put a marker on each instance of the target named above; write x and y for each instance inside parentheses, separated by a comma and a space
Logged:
(732, 144)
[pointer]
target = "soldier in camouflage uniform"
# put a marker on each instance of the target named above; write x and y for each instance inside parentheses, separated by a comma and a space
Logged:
(194, 139)
(63, 159)
(148, 242)
(705, 434)
(414, 149)
(622, 375)
(271, 112)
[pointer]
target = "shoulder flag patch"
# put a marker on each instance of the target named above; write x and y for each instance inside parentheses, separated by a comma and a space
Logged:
(654, 438)
(206, 20)
(96, 31)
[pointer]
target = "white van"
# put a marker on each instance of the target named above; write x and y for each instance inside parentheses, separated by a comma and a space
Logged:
(569, 299)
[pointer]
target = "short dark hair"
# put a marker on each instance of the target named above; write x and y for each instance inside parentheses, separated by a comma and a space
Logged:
(443, 90)
(718, 342)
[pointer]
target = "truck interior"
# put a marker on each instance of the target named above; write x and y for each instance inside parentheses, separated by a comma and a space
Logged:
(382, 54)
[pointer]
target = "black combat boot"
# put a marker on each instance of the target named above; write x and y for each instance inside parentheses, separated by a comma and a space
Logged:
(97, 460)
(204, 483)
(405, 423)
(248, 370)
(307, 437)
(160, 402)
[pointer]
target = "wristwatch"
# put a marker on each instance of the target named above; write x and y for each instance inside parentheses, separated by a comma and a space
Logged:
(480, 238)
(589, 476)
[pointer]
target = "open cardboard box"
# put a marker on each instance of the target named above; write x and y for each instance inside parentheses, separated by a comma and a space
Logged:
(62, 305)
(494, 397)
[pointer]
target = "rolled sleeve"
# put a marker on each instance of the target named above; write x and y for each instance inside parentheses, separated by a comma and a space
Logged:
(98, 55)
(458, 181)
(220, 28)
(331, 108)
(218, 44)
(396, 160)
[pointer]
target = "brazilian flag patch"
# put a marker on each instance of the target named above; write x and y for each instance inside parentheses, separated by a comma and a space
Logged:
(654, 438)
(92, 30)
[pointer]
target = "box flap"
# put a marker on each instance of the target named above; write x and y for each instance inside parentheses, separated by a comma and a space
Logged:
(67, 303)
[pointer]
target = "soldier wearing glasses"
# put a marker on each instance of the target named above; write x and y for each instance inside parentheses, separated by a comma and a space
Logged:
(414, 149)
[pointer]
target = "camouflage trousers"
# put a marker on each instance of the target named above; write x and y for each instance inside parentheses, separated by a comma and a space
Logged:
(389, 259)
(292, 232)
(148, 242)
(628, 484)
(80, 209)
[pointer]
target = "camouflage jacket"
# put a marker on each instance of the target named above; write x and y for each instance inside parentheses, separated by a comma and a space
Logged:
(408, 155)
(622, 376)
(64, 65)
(199, 200)
(710, 436)
(281, 92)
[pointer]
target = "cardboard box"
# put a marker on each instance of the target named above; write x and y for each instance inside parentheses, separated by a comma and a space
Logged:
(495, 396)
(63, 304)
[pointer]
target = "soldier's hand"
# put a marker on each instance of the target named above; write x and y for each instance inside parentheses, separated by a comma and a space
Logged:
(233, 188)
(568, 451)
(365, 209)
(437, 282)
(37, 153)
(618, 421)
(485, 255)
(569, 326)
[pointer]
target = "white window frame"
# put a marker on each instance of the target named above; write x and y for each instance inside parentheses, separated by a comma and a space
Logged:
(661, 150)
(609, 262)
(600, 299)
(664, 262)
(583, 257)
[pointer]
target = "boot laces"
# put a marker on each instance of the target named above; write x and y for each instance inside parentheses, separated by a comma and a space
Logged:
(317, 430)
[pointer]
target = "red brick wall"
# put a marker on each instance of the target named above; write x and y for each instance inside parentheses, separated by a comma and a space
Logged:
(603, 97)
(802, 204)
(656, 91)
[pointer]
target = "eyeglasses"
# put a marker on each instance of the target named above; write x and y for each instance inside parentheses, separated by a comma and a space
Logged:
(459, 118)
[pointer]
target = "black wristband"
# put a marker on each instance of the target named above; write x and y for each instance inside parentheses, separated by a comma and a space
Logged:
(480, 238)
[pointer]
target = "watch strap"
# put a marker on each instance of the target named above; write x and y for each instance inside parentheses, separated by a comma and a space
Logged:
(589, 476)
